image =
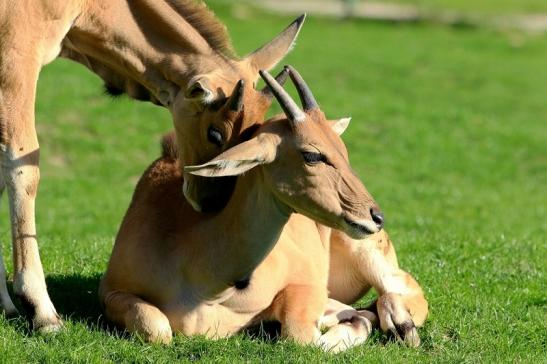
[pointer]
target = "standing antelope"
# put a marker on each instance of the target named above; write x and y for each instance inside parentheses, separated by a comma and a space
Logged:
(172, 52)
(175, 269)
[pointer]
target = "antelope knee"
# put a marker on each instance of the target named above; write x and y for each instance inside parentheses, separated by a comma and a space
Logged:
(150, 323)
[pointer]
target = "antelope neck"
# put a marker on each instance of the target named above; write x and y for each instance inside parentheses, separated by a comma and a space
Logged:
(247, 229)
(145, 41)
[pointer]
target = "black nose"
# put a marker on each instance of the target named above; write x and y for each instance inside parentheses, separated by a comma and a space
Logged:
(377, 217)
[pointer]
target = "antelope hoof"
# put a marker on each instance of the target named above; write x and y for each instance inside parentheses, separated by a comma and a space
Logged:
(149, 326)
(161, 337)
(345, 335)
(396, 319)
(47, 325)
(406, 332)
(43, 320)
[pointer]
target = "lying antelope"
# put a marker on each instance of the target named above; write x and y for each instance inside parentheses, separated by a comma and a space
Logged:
(358, 265)
(175, 269)
(174, 53)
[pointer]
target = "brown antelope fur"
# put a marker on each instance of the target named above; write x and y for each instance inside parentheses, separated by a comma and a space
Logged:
(175, 269)
(172, 52)
(358, 265)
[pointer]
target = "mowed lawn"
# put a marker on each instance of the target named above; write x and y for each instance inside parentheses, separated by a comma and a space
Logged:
(449, 134)
(483, 7)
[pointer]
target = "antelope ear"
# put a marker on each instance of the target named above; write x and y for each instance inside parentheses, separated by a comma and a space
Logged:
(267, 56)
(199, 90)
(239, 159)
(339, 126)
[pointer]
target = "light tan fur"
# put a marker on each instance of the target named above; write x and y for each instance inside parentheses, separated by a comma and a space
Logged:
(173, 269)
(358, 265)
(171, 52)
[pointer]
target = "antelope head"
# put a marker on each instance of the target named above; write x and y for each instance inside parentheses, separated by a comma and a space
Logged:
(304, 163)
(219, 109)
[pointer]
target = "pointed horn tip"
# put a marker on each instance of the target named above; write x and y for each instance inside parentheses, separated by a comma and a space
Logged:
(281, 78)
(264, 74)
(292, 71)
(240, 85)
(306, 95)
(235, 102)
(292, 111)
(300, 19)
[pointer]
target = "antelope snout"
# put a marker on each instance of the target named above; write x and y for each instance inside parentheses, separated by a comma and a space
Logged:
(360, 228)
(377, 217)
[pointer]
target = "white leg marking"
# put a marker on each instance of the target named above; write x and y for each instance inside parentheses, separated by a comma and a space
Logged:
(346, 327)
(22, 177)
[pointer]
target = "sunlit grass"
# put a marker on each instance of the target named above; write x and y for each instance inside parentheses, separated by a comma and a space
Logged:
(449, 134)
(481, 6)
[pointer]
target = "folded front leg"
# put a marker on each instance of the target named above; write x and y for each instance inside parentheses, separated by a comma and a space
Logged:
(400, 314)
(401, 304)
(345, 327)
(298, 308)
(137, 316)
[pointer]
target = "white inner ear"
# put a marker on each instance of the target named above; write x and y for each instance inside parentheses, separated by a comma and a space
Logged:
(340, 126)
(198, 91)
(223, 167)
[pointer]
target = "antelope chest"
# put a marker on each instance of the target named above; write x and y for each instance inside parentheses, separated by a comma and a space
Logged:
(224, 315)
(232, 309)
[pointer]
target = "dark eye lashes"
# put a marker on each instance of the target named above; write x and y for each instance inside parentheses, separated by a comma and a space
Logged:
(313, 157)
(215, 136)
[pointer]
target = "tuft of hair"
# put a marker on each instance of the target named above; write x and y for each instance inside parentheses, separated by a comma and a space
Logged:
(169, 147)
(206, 23)
(113, 91)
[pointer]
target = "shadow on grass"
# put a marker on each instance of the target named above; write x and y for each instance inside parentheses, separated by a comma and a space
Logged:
(76, 299)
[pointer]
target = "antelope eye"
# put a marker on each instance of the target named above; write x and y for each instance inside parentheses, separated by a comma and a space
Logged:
(215, 136)
(313, 158)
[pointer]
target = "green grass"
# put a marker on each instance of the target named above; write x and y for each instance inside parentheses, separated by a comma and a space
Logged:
(480, 6)
(449, 133)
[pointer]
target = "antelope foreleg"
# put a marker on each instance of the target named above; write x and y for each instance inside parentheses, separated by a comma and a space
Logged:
(22, 176)
(346, 327)
(401, 304)
(19, 157)
(137, 316)
(298, 308)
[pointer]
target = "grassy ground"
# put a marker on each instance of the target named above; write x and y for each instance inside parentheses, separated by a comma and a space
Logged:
(482, 6)
(449, 134)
